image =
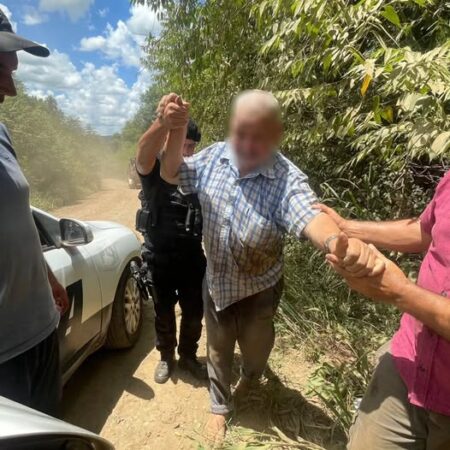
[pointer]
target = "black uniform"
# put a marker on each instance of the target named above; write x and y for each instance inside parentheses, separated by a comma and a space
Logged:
(171, 225)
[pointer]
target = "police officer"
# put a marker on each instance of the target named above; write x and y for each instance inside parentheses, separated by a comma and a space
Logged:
(171, 225)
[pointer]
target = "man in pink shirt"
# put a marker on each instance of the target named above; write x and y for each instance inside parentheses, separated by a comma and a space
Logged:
(407, 404)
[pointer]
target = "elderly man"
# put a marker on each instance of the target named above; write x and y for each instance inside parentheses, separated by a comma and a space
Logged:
(407, 404)
(29, 356)
(251, 196)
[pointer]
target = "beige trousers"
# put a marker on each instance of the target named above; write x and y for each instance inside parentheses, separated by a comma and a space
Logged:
(387, 421)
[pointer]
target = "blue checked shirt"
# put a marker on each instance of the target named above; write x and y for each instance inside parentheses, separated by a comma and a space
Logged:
(245, 219)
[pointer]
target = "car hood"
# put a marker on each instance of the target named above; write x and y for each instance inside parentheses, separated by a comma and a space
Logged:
(18, 420)
(104, 225)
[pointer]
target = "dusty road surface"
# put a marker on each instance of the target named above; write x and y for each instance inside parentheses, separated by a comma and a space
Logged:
(113, 393)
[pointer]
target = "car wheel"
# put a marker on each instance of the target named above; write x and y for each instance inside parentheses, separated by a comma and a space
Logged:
(127, 313)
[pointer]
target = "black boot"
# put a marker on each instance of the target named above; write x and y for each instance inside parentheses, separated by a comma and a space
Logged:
(194, 366)
(164, 369)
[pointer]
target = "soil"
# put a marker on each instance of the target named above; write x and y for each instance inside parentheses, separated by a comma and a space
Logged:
(113, 393)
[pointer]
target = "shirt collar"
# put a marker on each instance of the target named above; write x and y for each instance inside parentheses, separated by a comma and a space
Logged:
(267, 169)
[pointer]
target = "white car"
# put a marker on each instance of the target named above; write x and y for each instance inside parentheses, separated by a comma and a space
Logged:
(96, 263)
(23, 428)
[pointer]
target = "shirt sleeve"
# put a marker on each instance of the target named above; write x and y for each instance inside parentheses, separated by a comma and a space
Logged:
(192, 170)
(295, 211)
(6, 140)
(427, 218)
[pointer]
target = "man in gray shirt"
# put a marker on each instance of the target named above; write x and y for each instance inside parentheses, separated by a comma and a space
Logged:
(31, 299)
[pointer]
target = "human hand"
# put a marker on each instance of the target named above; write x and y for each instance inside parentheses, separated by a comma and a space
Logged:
(59, 295)
(337, 218)
(386, 287)
(165, 100)
(356, 257)
(176, 114)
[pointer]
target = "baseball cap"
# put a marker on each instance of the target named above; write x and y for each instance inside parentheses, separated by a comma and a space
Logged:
(12, 42)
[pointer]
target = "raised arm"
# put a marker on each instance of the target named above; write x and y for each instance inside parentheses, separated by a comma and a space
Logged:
(152, 141)
(405, 236)
(172, 156)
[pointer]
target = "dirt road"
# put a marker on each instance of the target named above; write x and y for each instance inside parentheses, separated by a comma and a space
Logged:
(114, 394)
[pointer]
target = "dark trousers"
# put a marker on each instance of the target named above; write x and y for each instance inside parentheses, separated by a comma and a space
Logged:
(178, 280)
(33, 378)
(249, 322)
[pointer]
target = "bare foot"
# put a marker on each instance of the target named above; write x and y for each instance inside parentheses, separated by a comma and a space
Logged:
(215, 430)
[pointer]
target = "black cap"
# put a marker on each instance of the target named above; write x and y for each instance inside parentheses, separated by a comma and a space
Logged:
(11, 42)
(193, 131)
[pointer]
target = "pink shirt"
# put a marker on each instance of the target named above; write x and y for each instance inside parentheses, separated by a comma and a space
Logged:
(423, 357)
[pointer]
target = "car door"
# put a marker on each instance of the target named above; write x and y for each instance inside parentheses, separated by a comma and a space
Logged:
(76, 271)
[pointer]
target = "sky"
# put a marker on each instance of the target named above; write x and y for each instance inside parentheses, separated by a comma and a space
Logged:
(95, 71)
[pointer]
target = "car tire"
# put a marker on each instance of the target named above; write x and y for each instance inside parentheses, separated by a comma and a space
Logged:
(127, 313)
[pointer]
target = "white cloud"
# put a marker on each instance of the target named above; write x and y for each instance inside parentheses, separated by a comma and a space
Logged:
(143, 21)
(8, 14)
(75, 9)
(124, 42)
(34, 17)
(117, 44)
(103, 12)
(98, 96)
(95, 95)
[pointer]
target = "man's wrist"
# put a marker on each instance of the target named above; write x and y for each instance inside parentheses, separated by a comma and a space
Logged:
(349, 227)
(405, 289)
(159, 119)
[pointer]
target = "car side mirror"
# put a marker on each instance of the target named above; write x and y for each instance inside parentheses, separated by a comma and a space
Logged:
(74, 233)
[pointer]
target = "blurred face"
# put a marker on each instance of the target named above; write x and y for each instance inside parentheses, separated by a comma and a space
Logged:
(8, 64)
(189, 147)
(254, 138)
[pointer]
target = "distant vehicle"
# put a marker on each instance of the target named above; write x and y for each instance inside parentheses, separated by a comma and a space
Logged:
(96, 262)
(133, 178)
(23, 428)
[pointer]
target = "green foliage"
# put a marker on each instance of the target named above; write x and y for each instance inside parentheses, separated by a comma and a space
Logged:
(365, 89)
(60, 158)
(128, 138)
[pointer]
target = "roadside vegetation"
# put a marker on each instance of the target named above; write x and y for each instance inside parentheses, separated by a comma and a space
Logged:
(61, 158)
(365, 87)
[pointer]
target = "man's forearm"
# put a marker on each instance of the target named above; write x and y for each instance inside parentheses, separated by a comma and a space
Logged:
(431, 309)
(320, 230)
(150, 144)
(50, 275)
(404, 236)
(172, 156)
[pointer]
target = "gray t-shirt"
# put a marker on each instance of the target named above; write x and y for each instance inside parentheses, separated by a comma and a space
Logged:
(27, 311)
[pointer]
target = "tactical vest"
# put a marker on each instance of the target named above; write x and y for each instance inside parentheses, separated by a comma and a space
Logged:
(168, 214)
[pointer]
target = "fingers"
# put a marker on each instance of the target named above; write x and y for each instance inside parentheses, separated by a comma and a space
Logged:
(368, 263)
(336, 267)
(379, 267)
(62, 302)
(321, 207)
(341, 246)
(357, 258)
